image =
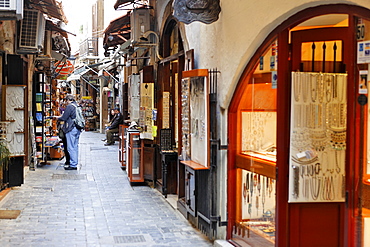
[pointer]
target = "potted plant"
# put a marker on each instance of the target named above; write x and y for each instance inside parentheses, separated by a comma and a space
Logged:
(4, 161)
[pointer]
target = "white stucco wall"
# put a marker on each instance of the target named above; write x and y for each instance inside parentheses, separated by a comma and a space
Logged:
(230, 42)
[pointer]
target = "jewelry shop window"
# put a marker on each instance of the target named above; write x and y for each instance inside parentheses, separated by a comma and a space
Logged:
(256, 155)
(318, 137)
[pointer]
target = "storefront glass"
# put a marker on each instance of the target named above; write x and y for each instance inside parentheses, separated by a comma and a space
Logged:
(256, 157)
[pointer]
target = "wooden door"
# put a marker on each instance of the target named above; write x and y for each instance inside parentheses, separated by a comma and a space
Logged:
(323, 50)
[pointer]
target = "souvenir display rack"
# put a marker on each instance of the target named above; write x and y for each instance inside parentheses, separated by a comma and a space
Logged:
(318, 137)
(46, 106)
(88, 110)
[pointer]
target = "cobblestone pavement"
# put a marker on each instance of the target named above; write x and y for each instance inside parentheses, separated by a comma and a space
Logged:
(93, 206)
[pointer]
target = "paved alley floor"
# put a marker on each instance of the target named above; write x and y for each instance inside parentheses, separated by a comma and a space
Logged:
(93, 206)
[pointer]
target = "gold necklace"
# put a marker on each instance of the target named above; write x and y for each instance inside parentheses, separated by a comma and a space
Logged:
(313, 86)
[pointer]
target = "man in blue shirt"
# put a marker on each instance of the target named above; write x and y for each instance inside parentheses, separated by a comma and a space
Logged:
(71, 132)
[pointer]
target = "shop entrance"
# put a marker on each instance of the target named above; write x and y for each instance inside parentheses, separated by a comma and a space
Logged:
(320, 171)
(318, 130)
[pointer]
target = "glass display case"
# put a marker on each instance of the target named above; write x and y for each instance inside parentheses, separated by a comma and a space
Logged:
(256, 156)
(135, 171)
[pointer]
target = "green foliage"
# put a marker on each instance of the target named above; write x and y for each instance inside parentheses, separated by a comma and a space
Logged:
(4, 154)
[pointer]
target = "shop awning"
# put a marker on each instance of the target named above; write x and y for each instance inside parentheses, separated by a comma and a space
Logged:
(51, 26)
(51, 8)
(64, 68)
(78, 73)
(104, 69)
(117, 32)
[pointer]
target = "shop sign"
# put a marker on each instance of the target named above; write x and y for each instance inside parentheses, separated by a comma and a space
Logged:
(363, 52)
(205, 11)
(360, 33)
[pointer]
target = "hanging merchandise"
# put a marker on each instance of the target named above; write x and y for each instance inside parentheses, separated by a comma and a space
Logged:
(318, 137)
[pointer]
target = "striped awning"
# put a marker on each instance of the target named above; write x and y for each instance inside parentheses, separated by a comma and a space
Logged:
(63, 68)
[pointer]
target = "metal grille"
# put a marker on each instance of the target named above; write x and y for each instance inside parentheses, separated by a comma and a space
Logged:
(4, 3)
(69, 176)
(129, 239)
(28, 36)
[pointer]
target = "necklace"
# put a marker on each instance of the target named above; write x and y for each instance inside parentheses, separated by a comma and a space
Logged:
(315, 187)
(296, 86)
(341, 87)
(313, 86)
(337, 169)
(247, 187)
(321, 87)
(305, 87)
(263, 194)
(328, 85)
(295, 192)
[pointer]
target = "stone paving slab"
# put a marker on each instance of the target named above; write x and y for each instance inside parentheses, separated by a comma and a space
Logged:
(93, 206)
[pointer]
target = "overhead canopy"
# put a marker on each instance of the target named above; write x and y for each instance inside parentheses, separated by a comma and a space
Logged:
(117, 32)
(78, 73)
(51, 8)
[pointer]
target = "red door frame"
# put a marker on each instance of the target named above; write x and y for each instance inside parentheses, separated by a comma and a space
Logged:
(283, 237)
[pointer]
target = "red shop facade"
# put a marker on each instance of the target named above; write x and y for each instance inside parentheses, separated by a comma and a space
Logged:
(298, 171)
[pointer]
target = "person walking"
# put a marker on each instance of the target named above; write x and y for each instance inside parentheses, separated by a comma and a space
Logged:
(72, 133)
(113, 127)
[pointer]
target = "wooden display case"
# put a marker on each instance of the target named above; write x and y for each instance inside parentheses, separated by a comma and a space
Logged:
(135, 168)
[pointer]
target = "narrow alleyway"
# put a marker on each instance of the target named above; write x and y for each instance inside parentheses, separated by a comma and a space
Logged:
(93, 206)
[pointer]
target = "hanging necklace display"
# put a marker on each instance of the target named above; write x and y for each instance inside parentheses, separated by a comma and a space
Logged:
(318, 123)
